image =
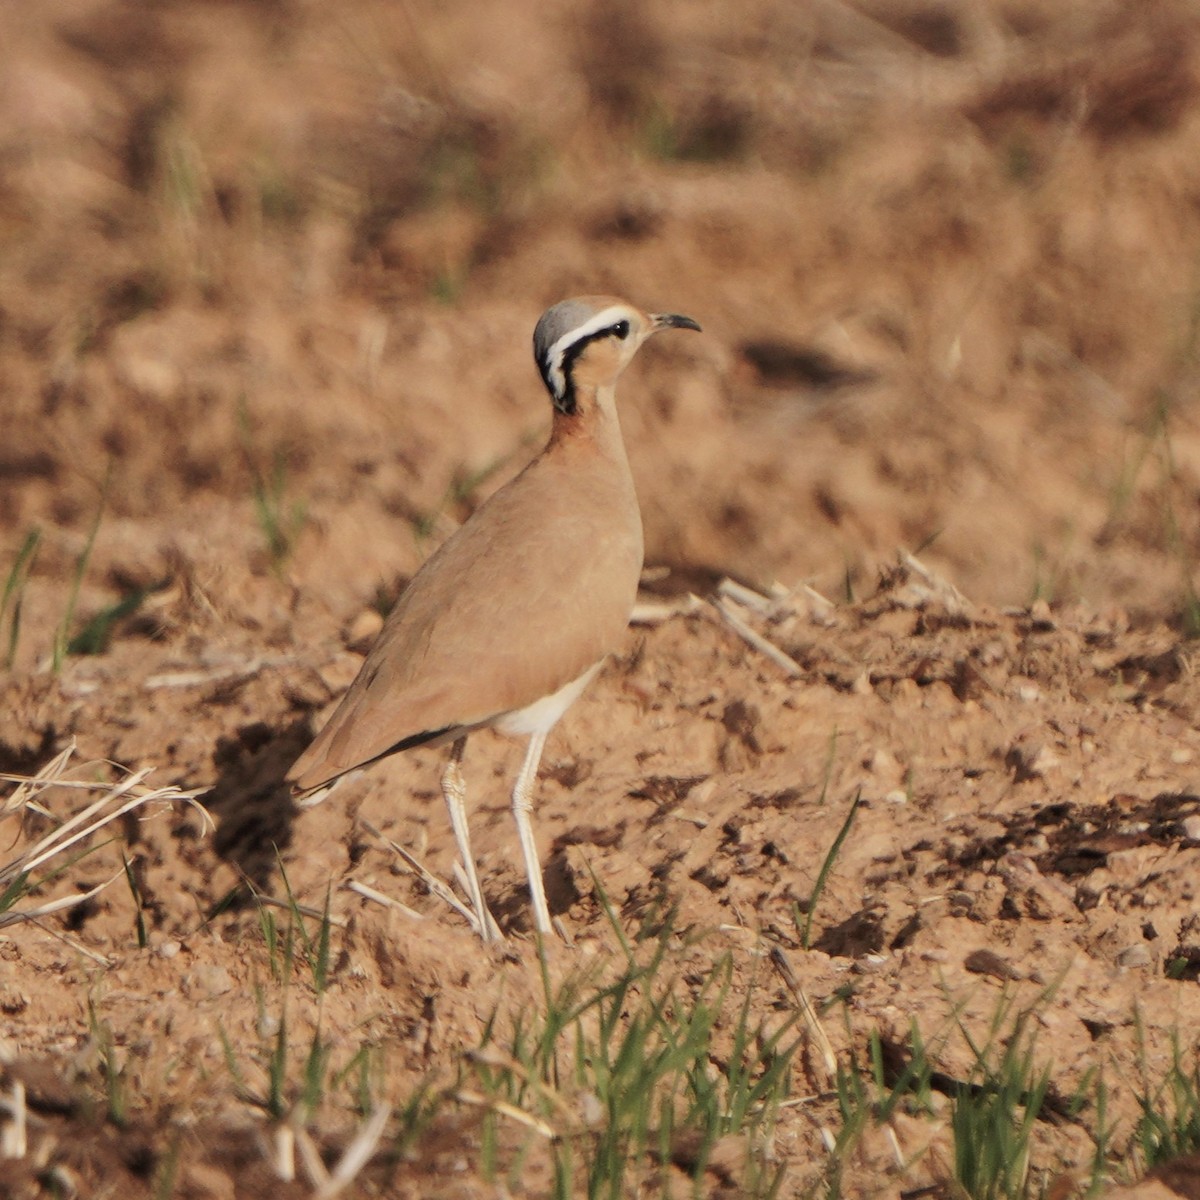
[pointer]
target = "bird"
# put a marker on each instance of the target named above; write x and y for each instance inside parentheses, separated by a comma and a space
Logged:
(504, 626)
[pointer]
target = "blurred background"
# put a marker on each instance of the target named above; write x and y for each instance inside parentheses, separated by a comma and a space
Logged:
(269, 270)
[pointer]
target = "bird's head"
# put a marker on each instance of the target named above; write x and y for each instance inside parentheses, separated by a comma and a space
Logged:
(587, 342)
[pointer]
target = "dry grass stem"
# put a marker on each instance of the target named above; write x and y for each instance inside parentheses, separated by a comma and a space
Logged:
(492, 1056)
(77, 946)
(929, 585)
(234, 671)
(59, 905)
(656, 612)
(745, 596)
(305, 910)
(431, 881)
(283, 1159)
(503, 1109)
(370, 893)
(811, 1020)
(13, 1136)
(27, 788)
(820, 608)
(310, 1160)
(356, 1155)
(114, 802)
(460, 875)
(788, 664)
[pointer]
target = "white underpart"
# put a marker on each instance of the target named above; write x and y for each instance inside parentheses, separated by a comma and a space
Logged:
(542, 715)
(602, 320)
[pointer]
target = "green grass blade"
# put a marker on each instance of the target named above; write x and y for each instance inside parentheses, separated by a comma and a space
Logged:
(142, 939)
(827, 866)
(94, 637)
(14, 592)
(61, 637)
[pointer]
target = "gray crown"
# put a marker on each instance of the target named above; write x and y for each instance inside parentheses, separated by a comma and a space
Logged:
(554, 323)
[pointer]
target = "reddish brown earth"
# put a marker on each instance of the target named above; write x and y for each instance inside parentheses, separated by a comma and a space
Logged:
(945, 256)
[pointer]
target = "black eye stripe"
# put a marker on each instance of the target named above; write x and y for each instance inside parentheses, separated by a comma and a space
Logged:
(565, 402)
(575, 349)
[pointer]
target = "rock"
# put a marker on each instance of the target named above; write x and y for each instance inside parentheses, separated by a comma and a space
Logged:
(988, 962)
(209, 980)
(361, 633)
(1135, 956)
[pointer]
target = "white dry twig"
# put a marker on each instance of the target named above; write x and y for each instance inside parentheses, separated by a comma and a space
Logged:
(811, 1020)
(928, 584)
(504, 1109)
(788, 664)
(820, 608)
(356, 1155)
(13, 1136)
(431, 881)
(746, 597)
(234, 670)
(26, 789)
(494, 932)
(370, 893)
(310, 1160)
(305, 910)
(655, 612)
(59, 905)
(284, 1149)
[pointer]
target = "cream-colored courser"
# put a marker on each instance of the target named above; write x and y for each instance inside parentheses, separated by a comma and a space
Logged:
(505, 625)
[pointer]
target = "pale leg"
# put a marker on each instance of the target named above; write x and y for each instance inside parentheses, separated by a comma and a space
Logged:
(455, 791)
(522, 804)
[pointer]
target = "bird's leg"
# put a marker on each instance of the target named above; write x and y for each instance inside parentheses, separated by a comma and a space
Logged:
(522, 804)
(455, 791)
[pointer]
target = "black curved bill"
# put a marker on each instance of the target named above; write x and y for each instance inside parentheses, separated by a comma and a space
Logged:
(674, 321)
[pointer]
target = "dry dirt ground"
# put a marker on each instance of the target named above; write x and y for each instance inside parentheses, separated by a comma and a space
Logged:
(267, 279)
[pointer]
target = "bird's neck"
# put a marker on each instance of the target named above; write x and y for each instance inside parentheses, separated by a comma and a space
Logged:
(593, 422)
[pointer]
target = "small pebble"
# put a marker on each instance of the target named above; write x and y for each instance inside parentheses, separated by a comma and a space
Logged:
(212, 980)
(363, 630)
(988, 962)
(1134, 956)
(591, 1110)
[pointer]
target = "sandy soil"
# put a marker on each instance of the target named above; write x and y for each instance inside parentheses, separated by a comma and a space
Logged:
(287, 258)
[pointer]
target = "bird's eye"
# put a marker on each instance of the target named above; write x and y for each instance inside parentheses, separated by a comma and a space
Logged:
(621, 329)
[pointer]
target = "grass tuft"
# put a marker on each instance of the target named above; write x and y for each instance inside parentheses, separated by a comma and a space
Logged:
(992, 1121)
(23, 874)
(1168, 1123)
(620, 1074)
